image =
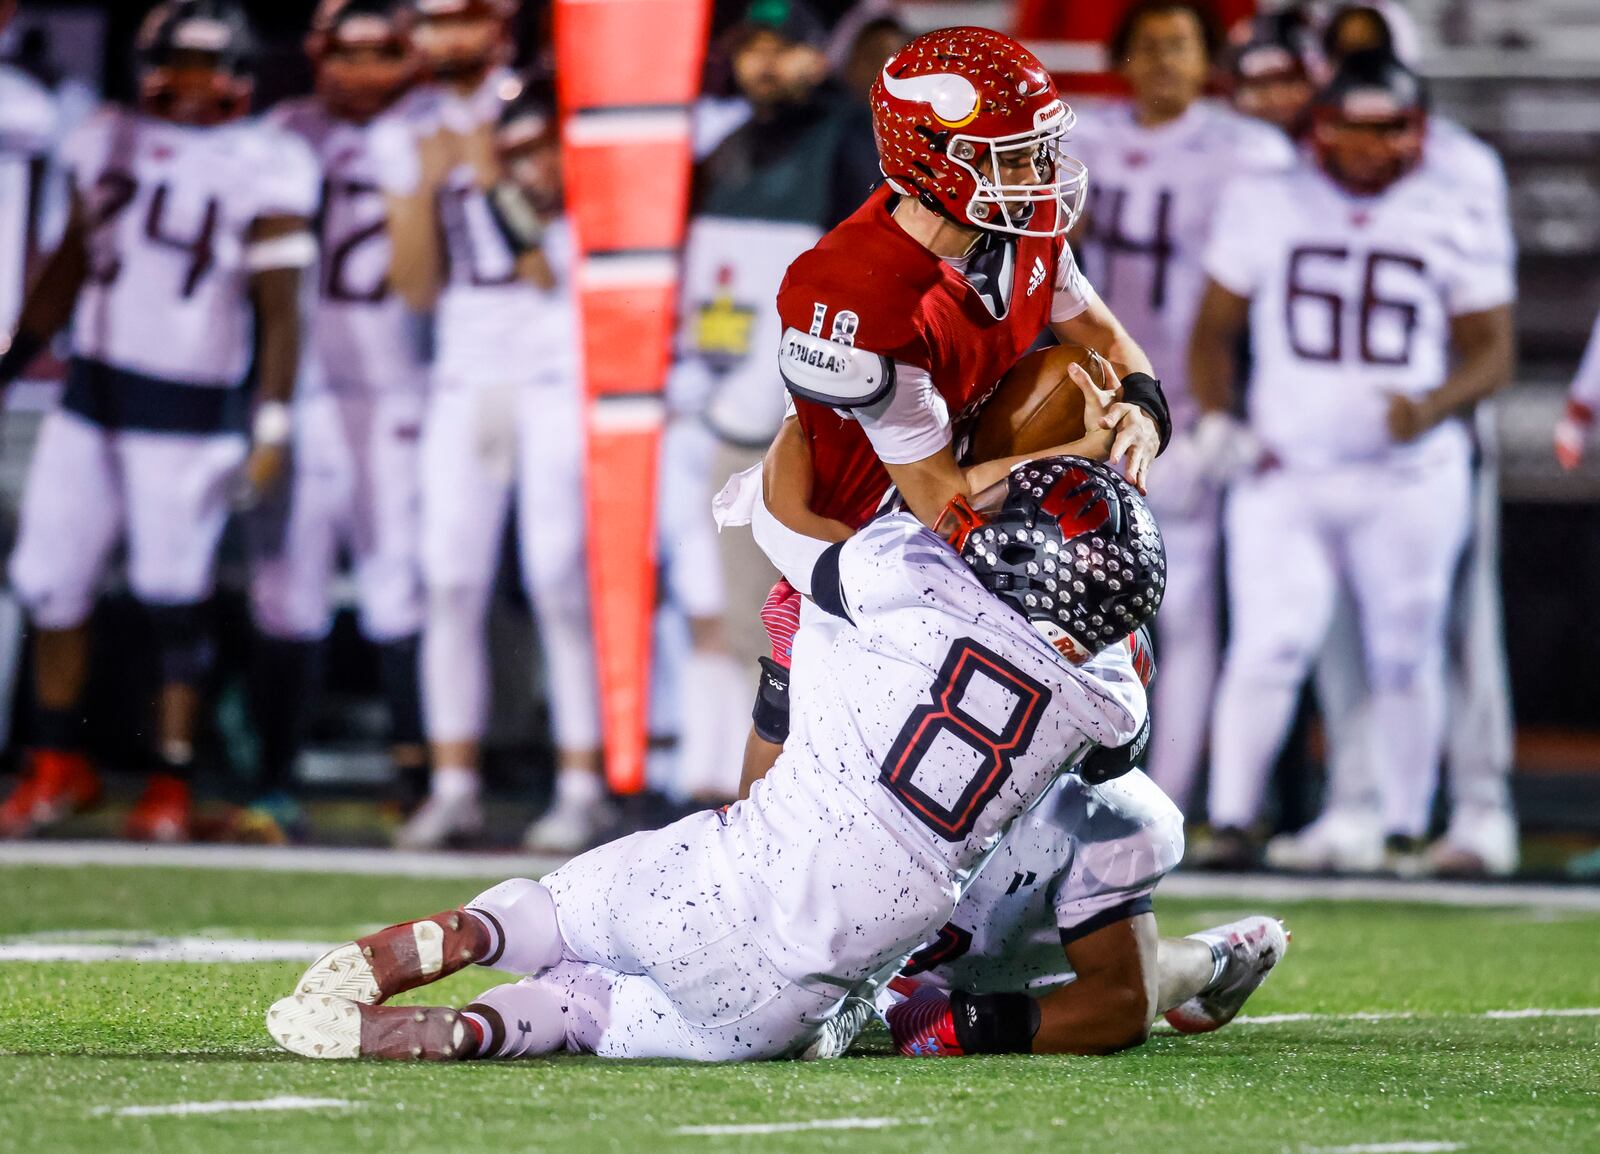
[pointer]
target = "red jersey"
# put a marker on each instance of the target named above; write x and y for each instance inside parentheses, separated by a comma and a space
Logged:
(869, 284)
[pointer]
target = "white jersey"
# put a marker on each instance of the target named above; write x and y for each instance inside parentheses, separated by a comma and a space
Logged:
(935, 719)
(27, 130)
(1475, 170)
(361, 337)
(491, 324)
(1152, 197)
(1351, 301)
(172, 206)
(1085, 857)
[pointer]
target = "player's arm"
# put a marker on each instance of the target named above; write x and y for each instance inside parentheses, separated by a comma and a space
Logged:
(1214, 345)
(1484, 348)
(1107, 1008)
(279, 247)
(52, 297)
(787, 480)
(410, 171)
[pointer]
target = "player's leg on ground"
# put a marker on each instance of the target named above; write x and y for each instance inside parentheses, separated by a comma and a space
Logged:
(177, 488)
(464, 501)
(551, 540)
(1482, 837)
(1400, 558)
(1281, 587)
(1188, 636)
(71, 516)
(1348, 834)
(385, 543)
(712, 689)
(294, 544)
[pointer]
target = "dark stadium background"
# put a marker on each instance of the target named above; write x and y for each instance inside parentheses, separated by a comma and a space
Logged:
(1551, 527)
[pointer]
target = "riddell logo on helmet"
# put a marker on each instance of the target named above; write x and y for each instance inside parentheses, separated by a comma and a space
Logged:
(954, 99)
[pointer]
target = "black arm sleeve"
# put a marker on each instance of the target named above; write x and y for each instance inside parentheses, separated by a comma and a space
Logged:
(827, 588)
(1145, 391)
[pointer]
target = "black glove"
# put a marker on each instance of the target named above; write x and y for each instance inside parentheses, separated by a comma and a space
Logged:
(18, 356)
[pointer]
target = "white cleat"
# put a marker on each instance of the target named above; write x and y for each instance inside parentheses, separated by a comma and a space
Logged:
(342, 972)
(839, 1031)
(569, 826)
(1479, 843)
(441, 819)
(1334, 843)
(322, 1026)
(1254, 945)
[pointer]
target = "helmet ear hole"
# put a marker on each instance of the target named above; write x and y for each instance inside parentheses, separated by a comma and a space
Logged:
(1016, 553)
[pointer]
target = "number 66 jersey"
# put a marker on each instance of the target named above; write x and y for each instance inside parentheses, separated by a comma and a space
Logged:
(169, 209)
(1351, 301)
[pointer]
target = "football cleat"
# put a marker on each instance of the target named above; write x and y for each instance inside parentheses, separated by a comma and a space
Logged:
(569, 826)
(1254, 946)
(163, 813)
(839, 1031)
(1346, 843)
(323, 1026)
(54, 786)
(922, 1025)
(440, 820)
(373, 969)
(1480, 843)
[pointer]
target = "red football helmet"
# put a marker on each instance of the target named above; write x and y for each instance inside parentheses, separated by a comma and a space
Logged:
(362, 56)
(969, 122)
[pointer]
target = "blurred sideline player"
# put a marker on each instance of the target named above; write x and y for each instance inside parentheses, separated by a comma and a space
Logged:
(28, 123)
(903, 317)
(186, 219)
(1272, 68)
(1482, 833)
(1374, 319)
(358, 423)
(1059, 928)
(475, 218)
(1158, 164)
(1573, 430)
(942, 710)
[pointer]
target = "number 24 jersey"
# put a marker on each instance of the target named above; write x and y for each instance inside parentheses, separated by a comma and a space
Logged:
(170, 209)
(935, 719)
(1351, 301)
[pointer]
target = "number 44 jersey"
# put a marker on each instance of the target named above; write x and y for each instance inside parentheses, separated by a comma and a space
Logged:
(170, 209)
(935, 718)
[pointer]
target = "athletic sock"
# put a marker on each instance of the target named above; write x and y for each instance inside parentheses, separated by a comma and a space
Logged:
(454, 781)
(57, 729)
(578, 788)
(283, 683)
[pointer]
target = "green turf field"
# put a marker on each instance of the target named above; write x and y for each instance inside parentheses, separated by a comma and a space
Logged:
(81, 1041)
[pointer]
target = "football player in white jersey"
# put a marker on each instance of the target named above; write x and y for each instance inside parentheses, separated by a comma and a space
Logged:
(1059, 928)
(1482, 834)
(358, 424)
(1573, 430)
(938, 715)
(1157, 166)
(189, 229)
(473, 188)
(1272, 68)
(28, 120)
(1375, 318)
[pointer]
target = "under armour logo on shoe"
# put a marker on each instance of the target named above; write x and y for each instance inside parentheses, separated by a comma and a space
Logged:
(1038, 276)
(524, 1028)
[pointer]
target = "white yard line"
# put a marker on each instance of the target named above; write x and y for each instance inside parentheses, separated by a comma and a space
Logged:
(792, 1127)
(285, 1103)
(1388, 1148)
(396, 863)
(159, 949)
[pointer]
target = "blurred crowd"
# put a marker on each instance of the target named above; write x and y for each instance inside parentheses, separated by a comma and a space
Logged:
(387, 261)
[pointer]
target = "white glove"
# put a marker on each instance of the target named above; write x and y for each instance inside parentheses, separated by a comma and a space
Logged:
(1226, 448)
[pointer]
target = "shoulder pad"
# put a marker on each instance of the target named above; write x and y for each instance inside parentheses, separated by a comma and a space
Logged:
(832, 373)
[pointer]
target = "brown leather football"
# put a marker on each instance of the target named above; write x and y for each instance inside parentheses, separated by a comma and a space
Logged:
(1037, 405)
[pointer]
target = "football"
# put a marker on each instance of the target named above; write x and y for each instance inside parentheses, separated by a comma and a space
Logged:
(1036, 404)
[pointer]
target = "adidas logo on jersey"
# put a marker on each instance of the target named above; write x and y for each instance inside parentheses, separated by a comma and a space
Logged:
(1037, 276)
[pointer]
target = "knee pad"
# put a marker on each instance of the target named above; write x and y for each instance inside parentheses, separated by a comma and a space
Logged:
(771, 712)
(522, 914)
(184, 644)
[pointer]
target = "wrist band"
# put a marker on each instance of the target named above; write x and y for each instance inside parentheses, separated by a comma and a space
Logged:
(1145, 391)
(19, 355)
(273, 423)
(994, 1023)
(771, 713)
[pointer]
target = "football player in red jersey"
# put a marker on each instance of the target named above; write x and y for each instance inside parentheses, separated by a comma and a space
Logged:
(902, 319)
